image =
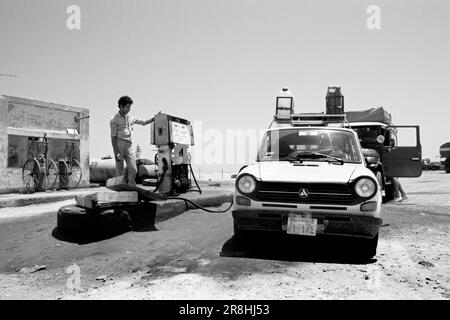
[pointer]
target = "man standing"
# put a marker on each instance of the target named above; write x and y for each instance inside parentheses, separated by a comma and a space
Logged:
(121, 128)
(400, 194)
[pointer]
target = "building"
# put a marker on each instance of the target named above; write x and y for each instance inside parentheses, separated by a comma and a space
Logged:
(22, 121)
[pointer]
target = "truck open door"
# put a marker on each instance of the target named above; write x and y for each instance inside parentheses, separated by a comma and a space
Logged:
(405, 158)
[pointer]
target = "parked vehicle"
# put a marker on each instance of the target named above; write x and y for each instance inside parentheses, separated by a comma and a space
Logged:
(427, 164)
(379, 139)
(309, 179)
(444, 150)
(318, 175)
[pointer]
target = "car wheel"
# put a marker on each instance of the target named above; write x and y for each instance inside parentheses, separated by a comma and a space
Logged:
(76, 221)
(368, 247)
(238, 233)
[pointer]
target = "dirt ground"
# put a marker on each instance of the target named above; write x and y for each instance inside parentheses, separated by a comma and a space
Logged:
(195, 256)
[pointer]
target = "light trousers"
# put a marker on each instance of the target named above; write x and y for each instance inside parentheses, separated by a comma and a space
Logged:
(126, 151)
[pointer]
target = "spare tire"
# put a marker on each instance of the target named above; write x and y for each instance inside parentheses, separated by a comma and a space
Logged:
(73, 221)
(81, 222)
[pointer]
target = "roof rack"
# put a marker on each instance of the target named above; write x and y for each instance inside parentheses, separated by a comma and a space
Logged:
(311, 119)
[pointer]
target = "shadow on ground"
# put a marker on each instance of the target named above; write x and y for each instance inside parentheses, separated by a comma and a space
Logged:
(86, 238)
(295, 248)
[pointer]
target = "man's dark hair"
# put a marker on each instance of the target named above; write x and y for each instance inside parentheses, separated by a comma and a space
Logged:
(123, 101)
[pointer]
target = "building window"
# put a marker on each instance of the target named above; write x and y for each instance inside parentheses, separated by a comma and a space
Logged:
(17, 151)
(13, 159)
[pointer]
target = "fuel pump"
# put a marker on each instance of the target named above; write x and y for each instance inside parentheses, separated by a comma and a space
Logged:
(172, 136)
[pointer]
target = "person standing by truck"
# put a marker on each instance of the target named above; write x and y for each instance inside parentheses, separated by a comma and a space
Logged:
(400, 194)
(121, 127)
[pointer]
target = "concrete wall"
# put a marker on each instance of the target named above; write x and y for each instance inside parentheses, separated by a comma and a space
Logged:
(22, 120)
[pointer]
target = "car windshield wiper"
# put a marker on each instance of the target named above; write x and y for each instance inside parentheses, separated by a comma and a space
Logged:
(284, 155)
(315, 155)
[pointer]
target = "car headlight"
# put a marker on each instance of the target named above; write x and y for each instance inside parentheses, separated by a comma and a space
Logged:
(246, 184)
(365, 188)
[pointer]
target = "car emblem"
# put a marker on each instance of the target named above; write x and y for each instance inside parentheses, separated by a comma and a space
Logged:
(303, 193)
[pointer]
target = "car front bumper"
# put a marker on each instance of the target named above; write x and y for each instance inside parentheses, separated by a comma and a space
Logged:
(328, 223)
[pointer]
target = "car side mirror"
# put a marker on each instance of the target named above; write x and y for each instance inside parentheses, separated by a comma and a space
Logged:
(370, 160)
(371, 156)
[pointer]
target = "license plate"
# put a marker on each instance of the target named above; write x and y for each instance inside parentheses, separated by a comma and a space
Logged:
(301, 224)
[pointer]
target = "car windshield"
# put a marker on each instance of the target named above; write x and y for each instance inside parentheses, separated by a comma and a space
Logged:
(368, 133)
(309, 144)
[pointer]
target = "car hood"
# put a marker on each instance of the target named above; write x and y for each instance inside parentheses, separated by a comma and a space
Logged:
(306, 172)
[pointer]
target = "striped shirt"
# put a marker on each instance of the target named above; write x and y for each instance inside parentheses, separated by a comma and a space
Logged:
(122, 126)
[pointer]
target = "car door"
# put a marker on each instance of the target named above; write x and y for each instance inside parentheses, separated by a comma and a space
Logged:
(404, 159)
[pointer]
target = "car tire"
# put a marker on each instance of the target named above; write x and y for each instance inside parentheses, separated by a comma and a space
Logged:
(369, 247)
(239, 233)
(76, 221)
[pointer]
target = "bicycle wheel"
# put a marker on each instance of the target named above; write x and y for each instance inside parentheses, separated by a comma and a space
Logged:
(63, 174)
(30, 174)
(74, 173)
(51, 175)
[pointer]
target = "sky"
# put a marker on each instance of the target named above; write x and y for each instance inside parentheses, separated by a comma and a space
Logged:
(222, 63)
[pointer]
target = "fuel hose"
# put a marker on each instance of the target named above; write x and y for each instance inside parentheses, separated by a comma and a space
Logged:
(199, 206)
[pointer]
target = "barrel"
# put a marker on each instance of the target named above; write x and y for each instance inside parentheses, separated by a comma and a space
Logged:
(148, 171)
(101, 170)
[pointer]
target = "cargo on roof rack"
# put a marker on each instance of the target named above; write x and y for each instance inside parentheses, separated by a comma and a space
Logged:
(310, 119)
(377, 114)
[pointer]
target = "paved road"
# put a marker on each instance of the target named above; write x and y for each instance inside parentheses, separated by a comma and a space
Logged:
(194, 256)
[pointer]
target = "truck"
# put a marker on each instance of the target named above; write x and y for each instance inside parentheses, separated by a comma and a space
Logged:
(385, 156)
(444, 150)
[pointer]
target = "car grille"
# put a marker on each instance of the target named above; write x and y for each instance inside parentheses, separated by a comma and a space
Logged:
(319, 193)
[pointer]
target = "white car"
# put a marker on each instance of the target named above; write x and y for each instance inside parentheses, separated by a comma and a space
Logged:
(309, 181)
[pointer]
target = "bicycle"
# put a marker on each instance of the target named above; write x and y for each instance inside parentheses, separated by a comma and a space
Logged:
(69, 169)
(39, 173)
